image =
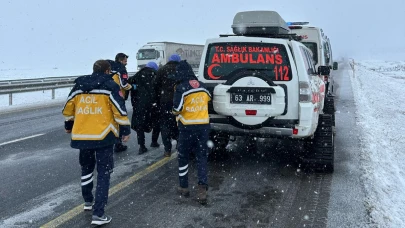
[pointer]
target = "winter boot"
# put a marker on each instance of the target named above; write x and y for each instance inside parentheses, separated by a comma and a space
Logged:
(142, 149)
(154, 144)
(183, 191)
(168, 154)
(202, 194)
(119, 147)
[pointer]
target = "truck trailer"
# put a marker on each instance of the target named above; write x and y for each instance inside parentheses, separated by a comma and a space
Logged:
(159, 52)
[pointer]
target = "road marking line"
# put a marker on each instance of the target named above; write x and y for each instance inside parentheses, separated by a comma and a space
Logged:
(17, 140)
(79, 209)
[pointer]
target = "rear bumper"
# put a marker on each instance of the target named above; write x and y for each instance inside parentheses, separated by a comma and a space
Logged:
(273, 128)
(305, 125)
(264, 132)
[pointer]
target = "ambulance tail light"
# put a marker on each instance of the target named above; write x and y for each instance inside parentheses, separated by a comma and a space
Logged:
(305, 92)
(250, 112)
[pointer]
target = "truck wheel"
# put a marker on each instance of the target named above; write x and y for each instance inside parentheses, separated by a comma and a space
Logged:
(320, 150)
(218, 151)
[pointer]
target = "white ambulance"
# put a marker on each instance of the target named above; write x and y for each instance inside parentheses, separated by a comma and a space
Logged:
(315, 39)
(265, 84)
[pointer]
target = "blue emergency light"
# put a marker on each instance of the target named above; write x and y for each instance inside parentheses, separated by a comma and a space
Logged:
(297, 23)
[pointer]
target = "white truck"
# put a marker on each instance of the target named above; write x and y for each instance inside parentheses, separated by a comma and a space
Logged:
(159, 52)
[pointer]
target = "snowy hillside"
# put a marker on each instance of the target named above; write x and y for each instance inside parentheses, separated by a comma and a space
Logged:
(379, 91)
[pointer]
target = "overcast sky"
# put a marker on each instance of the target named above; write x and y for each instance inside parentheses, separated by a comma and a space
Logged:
(73, 34)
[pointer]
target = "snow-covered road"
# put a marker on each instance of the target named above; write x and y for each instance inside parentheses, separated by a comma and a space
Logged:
(376, 171)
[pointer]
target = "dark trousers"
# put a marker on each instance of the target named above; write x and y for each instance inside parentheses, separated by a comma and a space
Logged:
(119, 140)
(189, 140)
(155, 135)
(168, 126)
(104, 159)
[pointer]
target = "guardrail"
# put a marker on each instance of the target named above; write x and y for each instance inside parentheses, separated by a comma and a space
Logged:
(11, 87)
(27, 85)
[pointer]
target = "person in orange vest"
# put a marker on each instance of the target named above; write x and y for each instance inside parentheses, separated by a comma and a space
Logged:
(190, 105)
(96, 116)
(120, 76)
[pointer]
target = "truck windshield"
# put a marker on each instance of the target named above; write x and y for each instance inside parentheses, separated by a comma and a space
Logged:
(144, 54)
(224, 59)
(313, 47)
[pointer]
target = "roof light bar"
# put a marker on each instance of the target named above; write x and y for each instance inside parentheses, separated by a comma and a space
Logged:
(297, 23)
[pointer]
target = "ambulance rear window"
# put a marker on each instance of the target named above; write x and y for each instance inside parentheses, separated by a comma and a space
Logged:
(223, 59)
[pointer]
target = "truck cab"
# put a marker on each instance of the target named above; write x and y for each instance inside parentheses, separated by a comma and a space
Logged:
(152, 51)
(160, 52)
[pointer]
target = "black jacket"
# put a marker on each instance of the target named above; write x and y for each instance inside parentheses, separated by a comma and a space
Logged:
(164, 86)
(143, 99)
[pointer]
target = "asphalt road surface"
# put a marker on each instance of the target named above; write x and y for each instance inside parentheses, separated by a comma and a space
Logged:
(40, 180)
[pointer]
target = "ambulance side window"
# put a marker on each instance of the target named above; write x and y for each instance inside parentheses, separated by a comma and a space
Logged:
(308, 61)
(305, 58)
(326, 53)
(311, 62)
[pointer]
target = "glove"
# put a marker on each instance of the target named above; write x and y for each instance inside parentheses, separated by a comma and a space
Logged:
(69, 125)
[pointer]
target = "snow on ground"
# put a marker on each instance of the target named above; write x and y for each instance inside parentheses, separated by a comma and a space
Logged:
(4, 100)
(21, 100)
(379, 90)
